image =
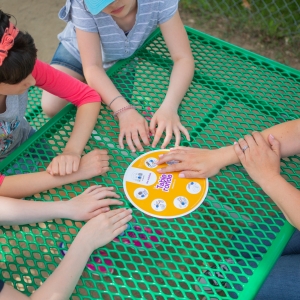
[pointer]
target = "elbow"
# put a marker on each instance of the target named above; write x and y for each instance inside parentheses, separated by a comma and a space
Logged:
(187, 60)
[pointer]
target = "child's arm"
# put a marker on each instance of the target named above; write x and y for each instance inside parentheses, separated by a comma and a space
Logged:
(80, 208)
(68, 162)
(18, 186)
(81, 95)
(201, 163)
(132, 125)
(166, 117)
(96, 233)
(262, 162)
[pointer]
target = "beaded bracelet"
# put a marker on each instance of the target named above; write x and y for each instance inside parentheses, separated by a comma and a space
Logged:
(123, 109)
(114, 100)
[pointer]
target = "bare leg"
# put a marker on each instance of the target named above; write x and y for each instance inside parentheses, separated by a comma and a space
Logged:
(52, 104)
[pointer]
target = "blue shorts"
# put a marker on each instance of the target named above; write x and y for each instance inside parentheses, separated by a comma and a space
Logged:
(64, 58)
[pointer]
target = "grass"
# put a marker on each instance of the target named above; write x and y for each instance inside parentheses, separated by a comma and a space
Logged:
(269, 29)
(276, 19)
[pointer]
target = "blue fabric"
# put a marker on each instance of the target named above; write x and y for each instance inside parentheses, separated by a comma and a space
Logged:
(64, 58)
(283, 283)
(95, 6)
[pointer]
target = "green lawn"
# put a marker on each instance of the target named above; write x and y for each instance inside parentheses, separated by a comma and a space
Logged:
(276, 18)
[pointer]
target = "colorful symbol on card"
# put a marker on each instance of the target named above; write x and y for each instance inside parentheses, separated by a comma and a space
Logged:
(181, 202)
(141, 193)
(151, 162)
(159, 204)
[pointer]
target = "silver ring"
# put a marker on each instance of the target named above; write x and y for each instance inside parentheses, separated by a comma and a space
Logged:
(245, 148)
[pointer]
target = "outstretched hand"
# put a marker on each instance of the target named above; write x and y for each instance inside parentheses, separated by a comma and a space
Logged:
(105, 227)
(169, 121)
(92, 202)
(133, 127)
(192, 162)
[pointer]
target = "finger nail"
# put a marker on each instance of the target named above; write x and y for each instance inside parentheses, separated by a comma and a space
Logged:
(272, 136)
(181, 175)
(159, 170)
(106, 209)
(130, 210)
(161, 155)
(235, 143)
(121, 203)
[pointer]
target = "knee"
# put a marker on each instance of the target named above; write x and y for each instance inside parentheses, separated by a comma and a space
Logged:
(51, 104)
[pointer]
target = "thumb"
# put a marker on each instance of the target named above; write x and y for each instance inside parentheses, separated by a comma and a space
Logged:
(275, 145)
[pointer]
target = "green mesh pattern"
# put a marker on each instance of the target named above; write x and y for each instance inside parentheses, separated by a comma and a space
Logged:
(34, 113)
(223, 250)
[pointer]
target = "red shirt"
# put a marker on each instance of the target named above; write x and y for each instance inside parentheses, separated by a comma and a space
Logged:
(63, 85)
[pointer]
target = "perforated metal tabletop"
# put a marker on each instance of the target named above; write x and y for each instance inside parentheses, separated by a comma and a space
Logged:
(224, 249)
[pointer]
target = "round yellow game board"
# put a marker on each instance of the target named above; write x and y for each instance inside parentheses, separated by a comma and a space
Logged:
(161, 195)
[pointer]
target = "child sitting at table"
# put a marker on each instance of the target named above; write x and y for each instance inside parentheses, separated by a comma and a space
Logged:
(61, 283)
(20, 69)
(98, 34)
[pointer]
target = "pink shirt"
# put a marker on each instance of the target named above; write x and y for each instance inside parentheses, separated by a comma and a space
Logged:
(63, 85)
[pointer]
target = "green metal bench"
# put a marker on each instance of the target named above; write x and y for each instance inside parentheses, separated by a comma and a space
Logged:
(237, 231)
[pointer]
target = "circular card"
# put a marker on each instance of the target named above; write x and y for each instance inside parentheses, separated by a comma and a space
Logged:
(161, 195)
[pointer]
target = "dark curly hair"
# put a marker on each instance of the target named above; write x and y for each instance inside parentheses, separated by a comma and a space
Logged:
(21, 58)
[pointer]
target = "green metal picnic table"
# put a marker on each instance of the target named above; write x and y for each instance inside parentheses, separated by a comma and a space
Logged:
(223, 250)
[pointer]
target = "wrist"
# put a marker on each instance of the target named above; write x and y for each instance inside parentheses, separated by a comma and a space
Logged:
(123, 109)
(85, 239)
(70, 150)
(118, 104)
(64, 209)
(227, 156)
(169, 106)
(82, 245)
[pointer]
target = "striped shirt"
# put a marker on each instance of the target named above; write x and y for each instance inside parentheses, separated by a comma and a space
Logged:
(115, 44)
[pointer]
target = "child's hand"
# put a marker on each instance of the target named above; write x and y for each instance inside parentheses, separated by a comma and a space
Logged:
(104, 228)
(169, 121)
(133, 127)
(64, 164)
(92, 164)
(193, 162)
(91, 203)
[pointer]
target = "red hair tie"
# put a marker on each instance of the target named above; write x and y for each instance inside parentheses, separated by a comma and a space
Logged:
(7, 41)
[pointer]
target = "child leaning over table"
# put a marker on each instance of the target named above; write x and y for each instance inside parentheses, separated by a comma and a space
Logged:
(19, 69)
(98, 34)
